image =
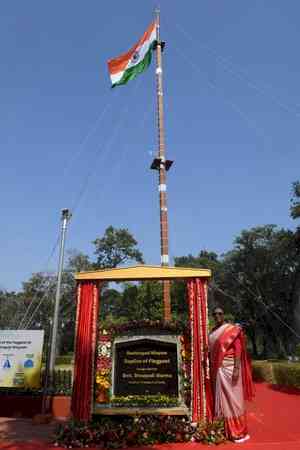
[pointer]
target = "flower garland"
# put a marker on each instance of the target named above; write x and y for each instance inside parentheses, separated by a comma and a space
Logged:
(103, 367)
(185, 352)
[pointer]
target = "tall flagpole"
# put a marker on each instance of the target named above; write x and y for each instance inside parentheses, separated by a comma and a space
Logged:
(162, 165)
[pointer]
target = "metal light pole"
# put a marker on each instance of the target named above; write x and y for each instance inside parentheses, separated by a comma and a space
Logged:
(65, 217)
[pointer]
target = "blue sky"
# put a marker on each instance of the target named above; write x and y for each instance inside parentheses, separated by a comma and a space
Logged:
(232, 105)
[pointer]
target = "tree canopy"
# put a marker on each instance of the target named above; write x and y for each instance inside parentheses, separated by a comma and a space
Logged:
(257, 282)
(116, 247)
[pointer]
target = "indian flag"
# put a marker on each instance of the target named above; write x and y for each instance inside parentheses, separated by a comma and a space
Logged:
(127, 66)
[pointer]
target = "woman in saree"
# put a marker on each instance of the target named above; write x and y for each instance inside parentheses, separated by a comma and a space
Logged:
(231, 376)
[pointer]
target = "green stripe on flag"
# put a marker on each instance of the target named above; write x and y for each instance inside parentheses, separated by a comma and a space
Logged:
(133, 71)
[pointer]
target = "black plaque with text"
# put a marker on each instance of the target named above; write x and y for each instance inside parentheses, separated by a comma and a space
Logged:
(146, 367)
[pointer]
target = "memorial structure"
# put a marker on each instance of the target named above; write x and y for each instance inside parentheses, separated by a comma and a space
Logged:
(142, 367)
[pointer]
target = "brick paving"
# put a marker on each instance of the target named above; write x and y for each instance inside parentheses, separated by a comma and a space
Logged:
(24, 430)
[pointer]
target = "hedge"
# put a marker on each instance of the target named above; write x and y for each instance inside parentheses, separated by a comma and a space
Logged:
(62, 385)
(280, 373)
(61, 359)
(64, 359)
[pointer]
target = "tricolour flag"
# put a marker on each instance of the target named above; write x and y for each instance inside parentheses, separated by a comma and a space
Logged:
(127, 66)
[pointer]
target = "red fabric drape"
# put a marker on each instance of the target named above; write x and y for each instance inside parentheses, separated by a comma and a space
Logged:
(85, 347)
(201, 395)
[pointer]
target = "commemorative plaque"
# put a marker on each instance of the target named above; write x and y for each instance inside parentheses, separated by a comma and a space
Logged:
(145, 366)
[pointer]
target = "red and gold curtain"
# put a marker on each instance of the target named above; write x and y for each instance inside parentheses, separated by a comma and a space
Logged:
(201, 395)
(85, 347)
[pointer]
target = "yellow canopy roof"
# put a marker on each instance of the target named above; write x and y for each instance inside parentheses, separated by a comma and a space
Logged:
(144, 273)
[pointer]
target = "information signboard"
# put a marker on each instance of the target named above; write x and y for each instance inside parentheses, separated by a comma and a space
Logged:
(21, 358)
(146, 367)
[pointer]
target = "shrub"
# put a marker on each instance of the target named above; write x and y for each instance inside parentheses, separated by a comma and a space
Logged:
(64, 359)
(297, 350)
(287, 374)
(62, 382)
(282, 373)
(262, 371)
(62, 385)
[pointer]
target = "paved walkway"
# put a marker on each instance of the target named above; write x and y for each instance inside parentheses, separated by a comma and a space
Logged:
(24, 430)
(274, 419)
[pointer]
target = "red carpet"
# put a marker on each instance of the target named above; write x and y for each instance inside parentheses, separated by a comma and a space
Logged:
(274, 424)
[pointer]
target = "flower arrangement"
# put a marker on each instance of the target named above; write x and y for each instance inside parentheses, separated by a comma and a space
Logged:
(124, 432)
(103, 379)
(103, 368)
(158, 400)
(210, 433)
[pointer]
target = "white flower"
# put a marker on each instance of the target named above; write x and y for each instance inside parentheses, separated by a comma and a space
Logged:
(104, 350)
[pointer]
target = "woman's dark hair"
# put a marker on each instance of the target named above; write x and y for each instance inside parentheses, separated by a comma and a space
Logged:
(218, 307)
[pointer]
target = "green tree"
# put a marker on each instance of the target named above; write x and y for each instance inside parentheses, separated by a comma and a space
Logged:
(78, 261)
(39, 293)
(150, 300)
(259, 275)
(295, 214)
(295, 200)
(111, 303)
(116, 247)
(136, 301)
(12, 309)
(33, 306)
(206, 260)
(129, 302)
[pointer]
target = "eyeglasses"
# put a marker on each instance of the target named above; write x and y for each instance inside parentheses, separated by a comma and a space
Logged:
(218, 314)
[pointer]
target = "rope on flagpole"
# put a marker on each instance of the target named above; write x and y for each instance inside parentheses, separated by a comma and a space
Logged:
(91, 130)
(239, 73)
(82, 146)
(250, 122)
(103, 150)
(50, 286)
(21, 324)
(117, 164)
(257, 298)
